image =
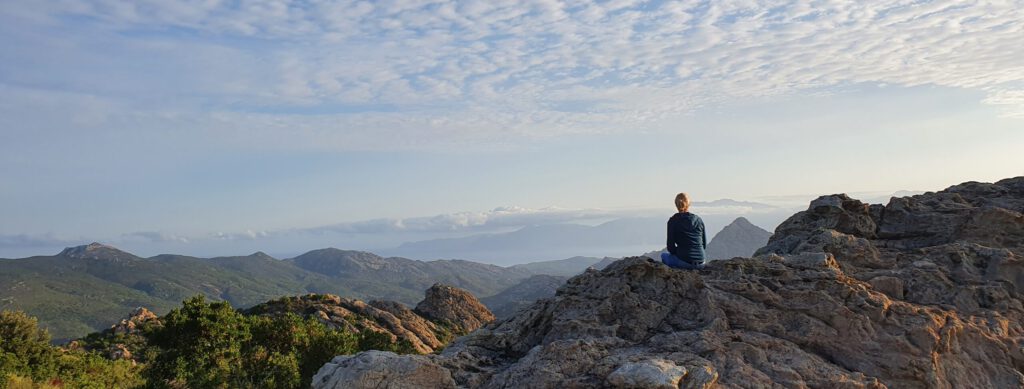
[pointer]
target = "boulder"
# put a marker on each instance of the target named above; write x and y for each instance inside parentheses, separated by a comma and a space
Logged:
(448, 304)
(382, 369)
(891, 286)
(652, 373)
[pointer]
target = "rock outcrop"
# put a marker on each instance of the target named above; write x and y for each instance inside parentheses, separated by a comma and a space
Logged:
(447, 311)
(924, 292)
(448, 304)
(134, 322)
(123, 340)
(741, 238)
(382, 369)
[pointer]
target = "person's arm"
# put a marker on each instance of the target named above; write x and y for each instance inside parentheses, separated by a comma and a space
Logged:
(703, 235)
(670, 244)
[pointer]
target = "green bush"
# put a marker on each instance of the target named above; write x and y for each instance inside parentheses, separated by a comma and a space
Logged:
(310, 341)
(199, 345)
(211, 345)
(27, 360)
(26, 349)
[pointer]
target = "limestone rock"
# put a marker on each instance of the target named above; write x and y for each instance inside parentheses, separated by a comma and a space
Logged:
(654, 373)
(448, 304)
(382, 369)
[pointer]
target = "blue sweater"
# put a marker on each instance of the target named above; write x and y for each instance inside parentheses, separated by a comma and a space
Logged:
(686, 238)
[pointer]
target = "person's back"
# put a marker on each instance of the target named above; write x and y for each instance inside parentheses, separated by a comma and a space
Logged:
(686, 240)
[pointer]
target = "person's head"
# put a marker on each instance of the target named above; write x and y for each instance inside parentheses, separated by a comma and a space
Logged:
(682, 202)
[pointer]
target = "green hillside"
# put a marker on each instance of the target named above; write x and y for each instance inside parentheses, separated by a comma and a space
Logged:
(87, 288)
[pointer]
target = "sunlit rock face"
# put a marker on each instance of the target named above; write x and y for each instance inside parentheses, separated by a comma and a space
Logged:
(924, 292)
(454, 306)
(444, 312)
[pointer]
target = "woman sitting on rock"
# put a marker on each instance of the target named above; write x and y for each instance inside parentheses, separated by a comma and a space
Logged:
(686, 239)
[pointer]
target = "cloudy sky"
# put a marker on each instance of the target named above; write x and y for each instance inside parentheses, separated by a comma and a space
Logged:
(192, 126)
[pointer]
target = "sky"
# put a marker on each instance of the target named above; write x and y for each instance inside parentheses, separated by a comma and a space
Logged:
(210, 127)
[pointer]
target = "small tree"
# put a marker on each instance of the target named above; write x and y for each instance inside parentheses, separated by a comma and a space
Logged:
(25, 349)
(28, 360)
(201, 346)
(311, 342)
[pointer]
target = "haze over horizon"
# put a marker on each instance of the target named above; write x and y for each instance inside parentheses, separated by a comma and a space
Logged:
(210, 128)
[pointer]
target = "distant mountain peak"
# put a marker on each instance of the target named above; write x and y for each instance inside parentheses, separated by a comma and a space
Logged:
(261, 255)
(738, 239)
(741, 222)
(96, 250)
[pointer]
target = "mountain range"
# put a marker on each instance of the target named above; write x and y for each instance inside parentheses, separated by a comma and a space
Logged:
(85, 288)
(615, 238)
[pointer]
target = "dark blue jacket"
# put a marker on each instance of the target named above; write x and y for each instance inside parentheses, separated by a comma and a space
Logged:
(686, 238)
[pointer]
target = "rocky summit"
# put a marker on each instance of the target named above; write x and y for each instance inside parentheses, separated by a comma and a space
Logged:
(454, 306)
(924, 292)
(97, 251)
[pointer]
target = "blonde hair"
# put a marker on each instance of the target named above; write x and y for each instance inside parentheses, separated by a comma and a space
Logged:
(682, 202)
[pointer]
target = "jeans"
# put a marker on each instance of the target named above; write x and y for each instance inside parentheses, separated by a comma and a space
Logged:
(674, 261)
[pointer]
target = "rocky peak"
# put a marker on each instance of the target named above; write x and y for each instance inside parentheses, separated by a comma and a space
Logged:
(924, 292)
(261, 255)
(334, 261)
(738, 239)
(423, 329)
(352, 315)
(134, 321)
(741, 222)
(448, 304)
(97, 251)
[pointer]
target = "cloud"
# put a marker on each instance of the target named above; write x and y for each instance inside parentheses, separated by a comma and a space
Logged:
(492, 220)
(500, 219)
(246, 235)
(153, 236)
(415, 74)
(22, 241)
(513, 217)
(1013, 99)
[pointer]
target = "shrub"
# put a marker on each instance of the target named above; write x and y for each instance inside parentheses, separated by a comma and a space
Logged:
(27, 360)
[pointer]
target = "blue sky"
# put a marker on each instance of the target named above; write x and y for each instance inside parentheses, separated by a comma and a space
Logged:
(208, 127)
